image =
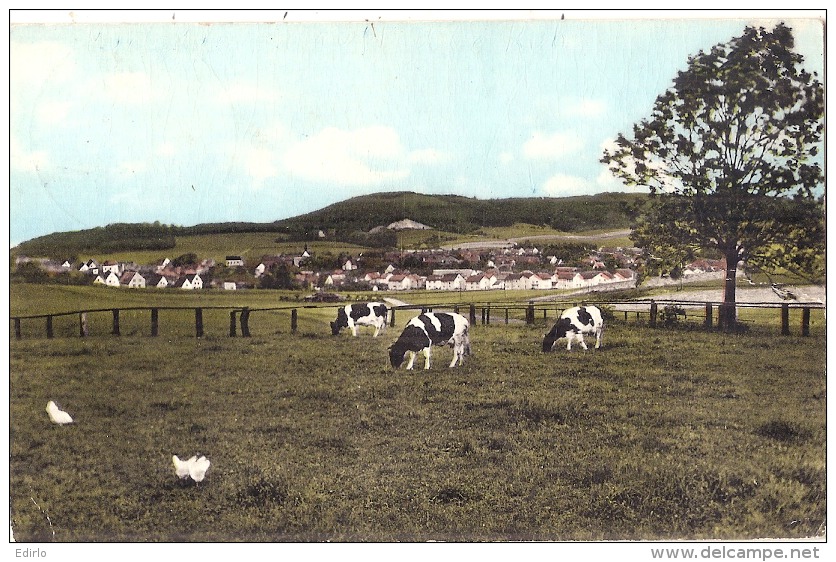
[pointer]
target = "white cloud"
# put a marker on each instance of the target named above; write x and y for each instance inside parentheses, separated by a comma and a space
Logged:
(366, 156)
(129, 87)
(506, 157)
(33, 64)
(259, 163)
(554, 146)
(562, 185)
(53, 113)
(608, 182)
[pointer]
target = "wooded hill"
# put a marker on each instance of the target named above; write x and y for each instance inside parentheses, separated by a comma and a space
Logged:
(464, 215)
(353, 219)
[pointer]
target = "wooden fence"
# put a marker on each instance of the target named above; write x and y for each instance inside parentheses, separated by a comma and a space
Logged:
(484, 313)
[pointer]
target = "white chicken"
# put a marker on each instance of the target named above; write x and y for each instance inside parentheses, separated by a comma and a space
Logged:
(194, 468)
(198, 468)
(181, 468)
(57, 415)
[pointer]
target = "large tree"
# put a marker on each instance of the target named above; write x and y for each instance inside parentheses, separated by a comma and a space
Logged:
(730, 156)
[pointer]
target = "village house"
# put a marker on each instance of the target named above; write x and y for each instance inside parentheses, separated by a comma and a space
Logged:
(447, 282)
(480, 282)
(541, 281)
(132, 280)
(189, 282)
(623, 275)
(161, 265)
(109, 279)
(234, 261)
(155, 281)
(335, 278)
(404, 282)
(566, 279)
(90, 267)
(113, 266)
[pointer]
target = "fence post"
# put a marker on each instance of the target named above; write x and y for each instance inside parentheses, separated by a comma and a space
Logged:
(472, 314)
(245, 321)
(709, 320)
(49, 333)
(653, 311)
(233, 332)
(115, 331)
(805, 321)
(785, 319)
(294, 320)
(529, 313)
(489, 315)
(155, 322)
(483, 315)
(18, 332)
(198, 322)
(506, 315)
(392, 319)
(82, 324)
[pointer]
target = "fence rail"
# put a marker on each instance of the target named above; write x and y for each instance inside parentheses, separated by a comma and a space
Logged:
(239, 317)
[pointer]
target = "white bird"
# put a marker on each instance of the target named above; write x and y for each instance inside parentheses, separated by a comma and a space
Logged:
(57, 415)
(181, 468)
(198, 468)
(194, 468)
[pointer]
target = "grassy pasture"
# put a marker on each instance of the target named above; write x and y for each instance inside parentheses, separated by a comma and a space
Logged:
(664, 434)
(249, 245)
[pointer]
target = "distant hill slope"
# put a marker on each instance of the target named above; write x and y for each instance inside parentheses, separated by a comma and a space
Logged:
(454, 213)
(344, 220)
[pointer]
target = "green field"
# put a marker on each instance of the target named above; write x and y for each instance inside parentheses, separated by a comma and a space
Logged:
(662, 435)
(254, 245)
(249, 245)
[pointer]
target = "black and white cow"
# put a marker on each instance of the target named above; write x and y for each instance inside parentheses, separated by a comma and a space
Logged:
(429, 329)
(361, 314)
(573, 324)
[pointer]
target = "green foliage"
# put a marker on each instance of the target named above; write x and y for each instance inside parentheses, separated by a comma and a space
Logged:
(111, 238)
(187, 259)
(731, 154)
(279, 276)
(669, 315)
(572, 253)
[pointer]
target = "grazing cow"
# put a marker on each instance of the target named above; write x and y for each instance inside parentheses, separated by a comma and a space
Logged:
(361, 314)
(573, 324)
(428, 329)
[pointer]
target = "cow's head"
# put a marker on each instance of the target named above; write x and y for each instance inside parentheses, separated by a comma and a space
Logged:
(340, 322)
(558, 331)
(413, 339)
(396, 355)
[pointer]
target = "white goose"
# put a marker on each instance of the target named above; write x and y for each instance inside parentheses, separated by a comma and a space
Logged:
(57, 415)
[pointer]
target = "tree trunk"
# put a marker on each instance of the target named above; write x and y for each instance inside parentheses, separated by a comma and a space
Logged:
(728, 312)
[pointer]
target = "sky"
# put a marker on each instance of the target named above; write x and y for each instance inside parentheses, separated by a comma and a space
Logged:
(183, 122)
